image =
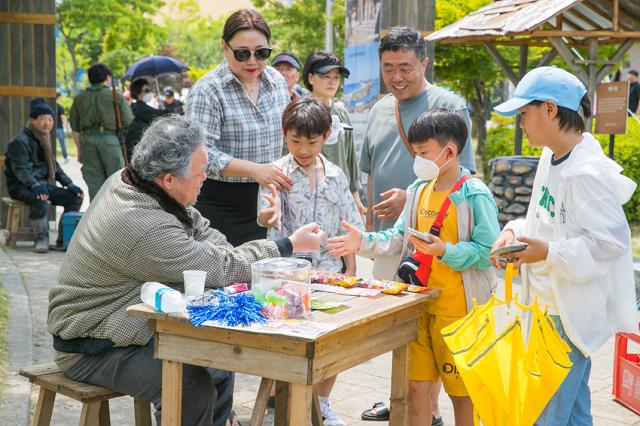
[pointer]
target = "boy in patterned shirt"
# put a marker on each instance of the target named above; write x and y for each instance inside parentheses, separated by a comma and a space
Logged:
(320, 194)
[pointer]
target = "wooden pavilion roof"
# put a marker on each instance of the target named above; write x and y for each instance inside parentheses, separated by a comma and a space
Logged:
(534, 21)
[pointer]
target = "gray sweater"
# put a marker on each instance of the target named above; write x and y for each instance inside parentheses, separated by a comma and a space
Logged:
(125, 239)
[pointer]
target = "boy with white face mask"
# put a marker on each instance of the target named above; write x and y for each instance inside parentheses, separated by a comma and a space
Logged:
(460, 214)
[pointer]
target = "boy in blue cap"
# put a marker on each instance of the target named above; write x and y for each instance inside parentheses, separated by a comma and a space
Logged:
(578, 261)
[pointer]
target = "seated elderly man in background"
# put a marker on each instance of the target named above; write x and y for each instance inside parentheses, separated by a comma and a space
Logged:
(31, 171)
(142, 227)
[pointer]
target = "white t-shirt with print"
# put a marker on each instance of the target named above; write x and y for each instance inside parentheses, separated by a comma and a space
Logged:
(548, 210)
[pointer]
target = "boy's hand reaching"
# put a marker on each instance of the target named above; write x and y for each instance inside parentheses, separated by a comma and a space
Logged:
(272, 214)
(436, 248)
(345, 245)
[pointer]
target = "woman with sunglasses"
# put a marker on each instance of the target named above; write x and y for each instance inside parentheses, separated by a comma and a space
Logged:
(240, 105)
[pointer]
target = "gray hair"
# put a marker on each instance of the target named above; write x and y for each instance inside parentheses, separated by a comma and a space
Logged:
(166, 147)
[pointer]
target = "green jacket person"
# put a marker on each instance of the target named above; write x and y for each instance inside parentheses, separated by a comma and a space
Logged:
(92, 119)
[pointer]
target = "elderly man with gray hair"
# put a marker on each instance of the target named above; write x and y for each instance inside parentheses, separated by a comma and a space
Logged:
(142, 227)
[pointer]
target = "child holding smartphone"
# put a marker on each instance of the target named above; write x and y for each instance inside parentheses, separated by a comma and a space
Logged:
(578, 261)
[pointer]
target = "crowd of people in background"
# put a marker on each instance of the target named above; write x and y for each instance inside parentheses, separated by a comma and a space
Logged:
(251, 165)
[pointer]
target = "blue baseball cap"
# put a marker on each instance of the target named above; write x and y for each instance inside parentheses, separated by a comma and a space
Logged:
(545, 84)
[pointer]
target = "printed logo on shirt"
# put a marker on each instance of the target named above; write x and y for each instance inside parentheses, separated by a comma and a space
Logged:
(431, 214)
(547, 201)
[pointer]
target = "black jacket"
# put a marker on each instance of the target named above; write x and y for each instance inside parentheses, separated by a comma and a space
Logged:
(25, 163)
(143, 116)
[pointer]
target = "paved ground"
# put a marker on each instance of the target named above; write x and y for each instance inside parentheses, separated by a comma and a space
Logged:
(28, 278)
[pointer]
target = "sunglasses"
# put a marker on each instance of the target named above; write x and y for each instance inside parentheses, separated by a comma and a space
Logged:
(243, 55)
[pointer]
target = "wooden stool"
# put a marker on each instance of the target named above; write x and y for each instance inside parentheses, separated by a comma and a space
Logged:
(95, 399)
(15, 230)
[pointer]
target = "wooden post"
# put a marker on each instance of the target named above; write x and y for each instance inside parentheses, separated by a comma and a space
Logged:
(593, 74)
(615, 15)
(612, 140)
(524, 53)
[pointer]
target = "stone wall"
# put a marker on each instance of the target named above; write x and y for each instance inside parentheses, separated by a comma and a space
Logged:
(512, 184)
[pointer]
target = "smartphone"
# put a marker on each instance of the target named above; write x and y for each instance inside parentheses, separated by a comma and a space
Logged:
(504, 251)
(422, 235)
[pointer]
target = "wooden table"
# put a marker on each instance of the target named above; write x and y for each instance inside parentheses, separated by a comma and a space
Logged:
(367, 328)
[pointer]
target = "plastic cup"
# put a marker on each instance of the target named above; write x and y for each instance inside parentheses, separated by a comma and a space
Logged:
(194, 282)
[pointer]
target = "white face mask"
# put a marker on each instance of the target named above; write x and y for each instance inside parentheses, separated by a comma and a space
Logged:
(147, 98)
(427, 169)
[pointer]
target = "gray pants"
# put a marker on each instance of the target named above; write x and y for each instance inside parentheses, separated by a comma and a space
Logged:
(207, 394)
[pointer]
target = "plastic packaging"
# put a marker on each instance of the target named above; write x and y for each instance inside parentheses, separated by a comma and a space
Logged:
(162, 298)
(282, 285)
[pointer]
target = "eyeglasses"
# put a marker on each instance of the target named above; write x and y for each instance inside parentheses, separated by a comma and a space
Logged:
(243, 55)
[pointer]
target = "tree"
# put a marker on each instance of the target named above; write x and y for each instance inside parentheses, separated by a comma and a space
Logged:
(294, 27)
(94, 30)
(470, 71)
(196, 40)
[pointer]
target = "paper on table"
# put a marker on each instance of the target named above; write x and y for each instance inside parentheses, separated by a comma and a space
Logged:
(286, 327)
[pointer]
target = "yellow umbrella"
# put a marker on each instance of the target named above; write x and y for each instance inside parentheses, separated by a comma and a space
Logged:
(509, 382)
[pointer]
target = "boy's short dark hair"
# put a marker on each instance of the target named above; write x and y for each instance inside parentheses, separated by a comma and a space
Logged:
(572, 120)
(633, 72)
(443, 125)
(98, 73)
(308, 117)
(402, 38)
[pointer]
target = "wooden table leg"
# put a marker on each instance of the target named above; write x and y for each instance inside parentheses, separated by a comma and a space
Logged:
(171, 393)
(293, 404)
(399, 386)
(316, 414)
(261, 401)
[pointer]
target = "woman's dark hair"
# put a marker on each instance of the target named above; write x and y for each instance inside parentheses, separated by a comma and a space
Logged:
(243, 20)
(137, 86)
(402, 38)
(308, 117)
(98, 73)
(316, 60)
(443, 125)
(572, 120)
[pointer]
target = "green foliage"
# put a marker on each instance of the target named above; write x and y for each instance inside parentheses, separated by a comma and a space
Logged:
(192, 36)
(500, 140)
(113, 31)
(299, 26)
(627, 154)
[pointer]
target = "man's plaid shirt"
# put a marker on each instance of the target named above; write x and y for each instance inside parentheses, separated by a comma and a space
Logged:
(235, 127)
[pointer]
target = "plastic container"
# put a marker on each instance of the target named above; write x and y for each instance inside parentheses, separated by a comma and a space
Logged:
(194, 282)
(626, 373)
(69, 224)
(282, 285)
(162, 298)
